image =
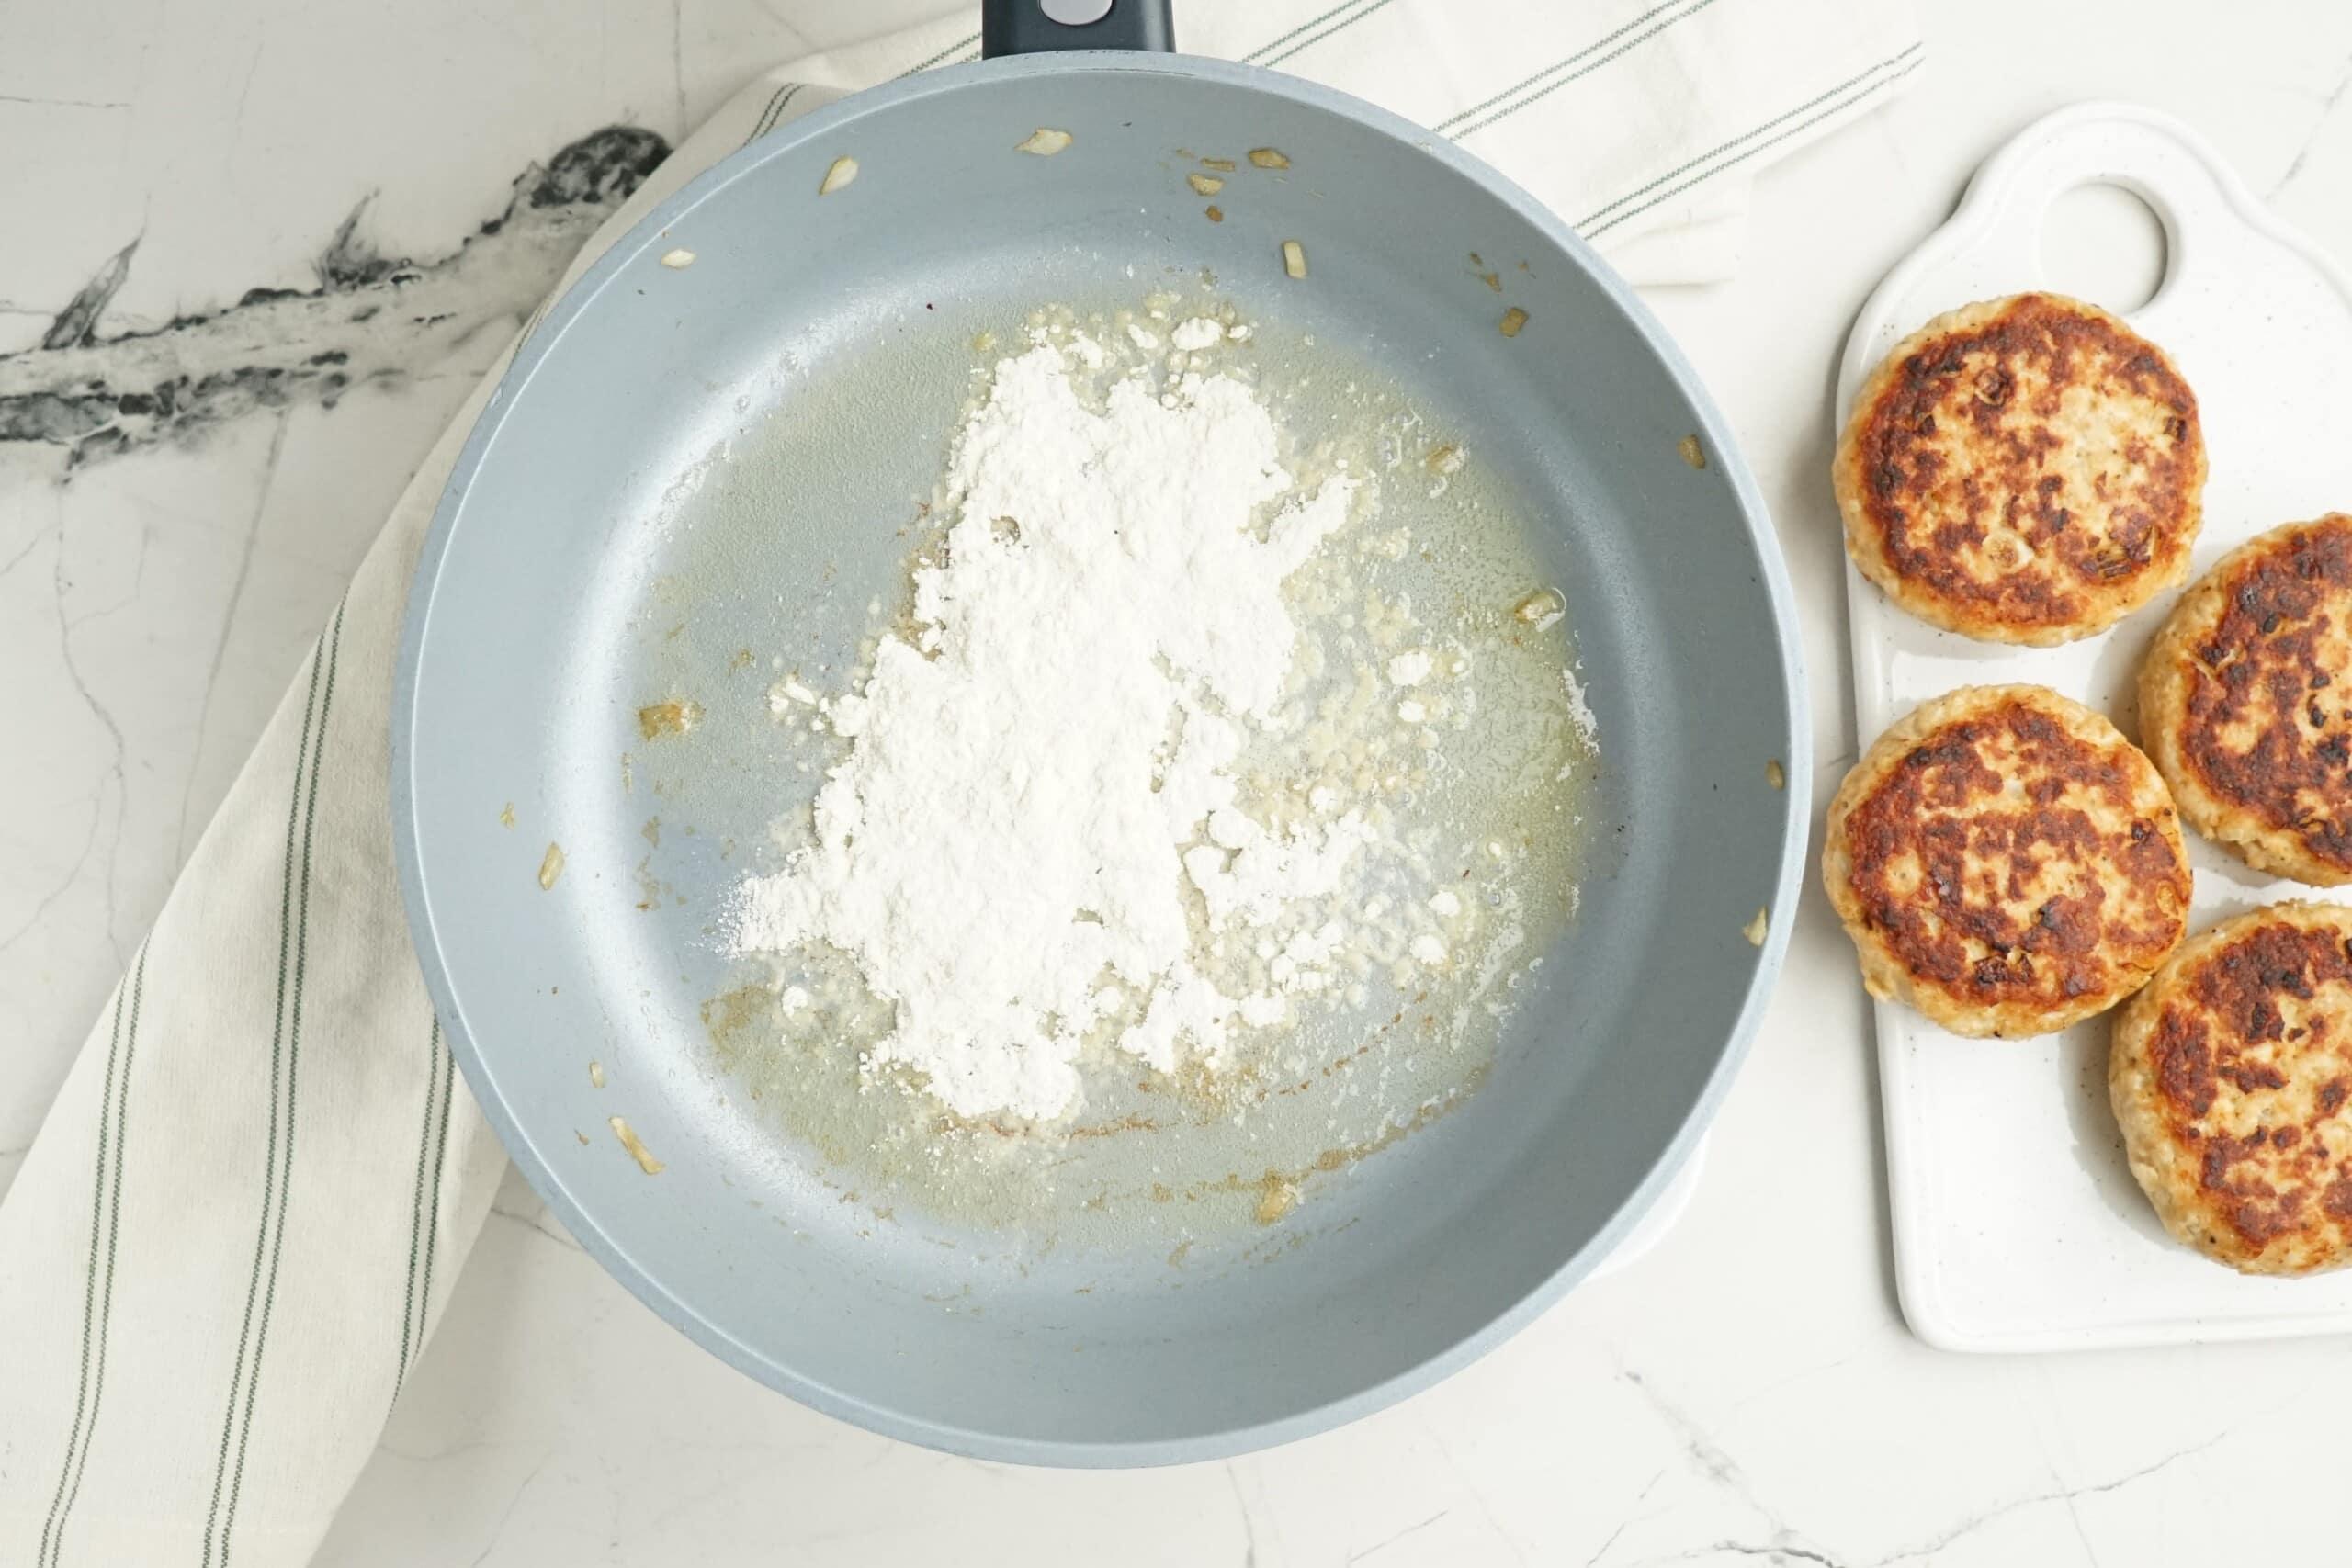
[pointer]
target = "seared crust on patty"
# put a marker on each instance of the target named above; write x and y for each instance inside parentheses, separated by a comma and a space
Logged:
(2026, 471)
(2005, 862)
(2246, 702)
(2230, 1075)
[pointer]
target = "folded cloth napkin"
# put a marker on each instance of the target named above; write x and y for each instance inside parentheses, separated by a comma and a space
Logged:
(1641, 123)
(246, 1210)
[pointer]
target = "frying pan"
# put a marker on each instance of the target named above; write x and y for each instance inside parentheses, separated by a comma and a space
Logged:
(687, 467)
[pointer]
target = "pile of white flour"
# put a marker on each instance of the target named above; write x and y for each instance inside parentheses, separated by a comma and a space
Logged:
(1037, 826)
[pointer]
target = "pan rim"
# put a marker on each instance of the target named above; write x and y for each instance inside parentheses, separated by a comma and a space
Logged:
(1771, 575)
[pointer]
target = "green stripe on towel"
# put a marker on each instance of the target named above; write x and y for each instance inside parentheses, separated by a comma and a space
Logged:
(216, 1531)
(1847, 93)
(1585, 63)
(122, 1110)
(49, 1531)
(1305, 44)
(412, 1312)
(293, 1064)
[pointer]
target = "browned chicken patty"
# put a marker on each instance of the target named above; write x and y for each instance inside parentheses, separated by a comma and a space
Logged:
(2246, 702)
(2006, 863)
(2230, 1075)
(2026, 471)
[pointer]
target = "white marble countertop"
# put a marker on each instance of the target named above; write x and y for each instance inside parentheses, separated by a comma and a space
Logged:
(1746, 1394)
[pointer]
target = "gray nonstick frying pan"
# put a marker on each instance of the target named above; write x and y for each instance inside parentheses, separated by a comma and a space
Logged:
(690, 468)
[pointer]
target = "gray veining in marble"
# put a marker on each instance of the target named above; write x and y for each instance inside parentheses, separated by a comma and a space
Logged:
(370, 318)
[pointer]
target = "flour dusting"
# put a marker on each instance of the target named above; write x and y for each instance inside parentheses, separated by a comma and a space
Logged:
(1133, 776)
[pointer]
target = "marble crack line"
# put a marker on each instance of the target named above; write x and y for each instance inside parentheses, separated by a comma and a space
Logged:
(536, 1222)
(1606, 1542)
(97, 802)
(1469, 1481)
(1249, 1520)
(1784, 1551)
(2074, 1512)
(798, 39)
(1696, 1446)
(2067, 1495)
(66, 886)
(2327, 112)
(437, 1456)
(678, 62)
(369, 318)
(1719, 1469)
(498, 1531)
(63, 103)
(1628, 1522)
(1387, 1541)
(245, 87)
(129, 599)
(730, 1479)
(1778, 1554)
(77, 323)
(13, 562)
(1777, 1384)
(114, 735)
(228, 624)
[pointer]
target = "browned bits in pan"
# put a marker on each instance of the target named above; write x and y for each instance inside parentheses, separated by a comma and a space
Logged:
(636, 1147)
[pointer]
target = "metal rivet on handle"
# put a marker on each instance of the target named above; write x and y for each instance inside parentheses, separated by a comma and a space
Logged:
(1075, 13)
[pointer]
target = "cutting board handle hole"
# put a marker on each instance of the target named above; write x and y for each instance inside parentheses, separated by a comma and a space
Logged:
(2103, 242)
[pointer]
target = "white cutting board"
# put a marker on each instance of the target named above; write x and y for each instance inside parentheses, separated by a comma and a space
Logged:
(2018, 1226)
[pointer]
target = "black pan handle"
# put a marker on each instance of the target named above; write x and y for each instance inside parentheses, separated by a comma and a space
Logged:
(1039, 26)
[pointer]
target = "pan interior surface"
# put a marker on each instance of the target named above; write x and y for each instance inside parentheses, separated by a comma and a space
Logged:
(1483, 794)
(599, 555)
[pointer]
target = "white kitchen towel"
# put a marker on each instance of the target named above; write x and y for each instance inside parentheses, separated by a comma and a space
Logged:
(1642, 123)
(244, 1212)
